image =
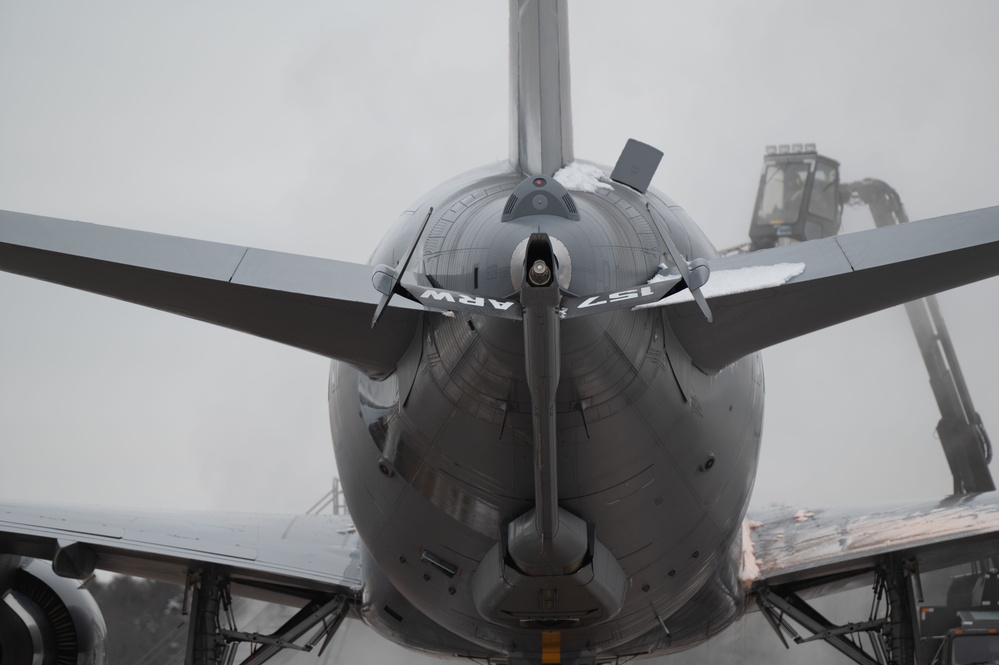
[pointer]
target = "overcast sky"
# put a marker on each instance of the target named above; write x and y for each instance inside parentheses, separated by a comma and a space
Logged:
(308, 127)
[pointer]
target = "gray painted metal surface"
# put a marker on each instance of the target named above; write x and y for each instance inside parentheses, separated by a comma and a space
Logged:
(618, 406)
(319, 305)
(540, 105)
(843, 277)
(636, 165)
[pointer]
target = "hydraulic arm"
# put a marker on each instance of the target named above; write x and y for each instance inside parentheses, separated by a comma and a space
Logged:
(800, 198)
(965, 443)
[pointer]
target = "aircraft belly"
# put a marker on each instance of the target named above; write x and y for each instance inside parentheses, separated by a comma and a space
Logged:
(654, 457)
(454, 482)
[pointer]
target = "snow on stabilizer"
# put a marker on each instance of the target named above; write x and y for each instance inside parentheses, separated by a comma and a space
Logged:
(741, 280)
(580, 177)
(660, 276)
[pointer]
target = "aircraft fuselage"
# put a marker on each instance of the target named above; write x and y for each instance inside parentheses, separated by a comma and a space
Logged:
(655, 456)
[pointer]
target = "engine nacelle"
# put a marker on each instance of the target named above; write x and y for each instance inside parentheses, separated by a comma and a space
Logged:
(46, 618)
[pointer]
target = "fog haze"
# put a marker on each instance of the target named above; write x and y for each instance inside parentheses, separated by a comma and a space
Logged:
(309, 127)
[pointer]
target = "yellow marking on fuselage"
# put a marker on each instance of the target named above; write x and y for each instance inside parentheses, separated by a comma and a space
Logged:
(551, 646)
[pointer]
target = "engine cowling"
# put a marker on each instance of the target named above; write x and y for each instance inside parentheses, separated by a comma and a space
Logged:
(46, 618)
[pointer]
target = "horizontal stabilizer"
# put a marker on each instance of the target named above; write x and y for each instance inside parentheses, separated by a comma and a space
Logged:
(444, 300)
(646, 295)
(770, 296)
(319, 305)
(447, 302)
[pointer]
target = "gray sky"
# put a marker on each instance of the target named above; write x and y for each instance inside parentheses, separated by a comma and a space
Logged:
(308, 127)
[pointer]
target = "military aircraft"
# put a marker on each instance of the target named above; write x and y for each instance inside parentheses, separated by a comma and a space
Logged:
(623, 293)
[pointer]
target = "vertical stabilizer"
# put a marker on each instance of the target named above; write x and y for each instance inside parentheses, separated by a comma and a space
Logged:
(540, 108)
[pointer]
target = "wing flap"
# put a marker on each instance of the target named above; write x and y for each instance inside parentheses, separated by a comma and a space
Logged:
(801, 546)
(842, 278)
(279, 556)
(319, 305)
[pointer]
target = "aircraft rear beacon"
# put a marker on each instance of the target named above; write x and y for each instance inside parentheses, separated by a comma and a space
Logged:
(538, 195)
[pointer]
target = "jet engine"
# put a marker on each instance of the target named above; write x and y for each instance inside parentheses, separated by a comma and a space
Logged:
(45, 618)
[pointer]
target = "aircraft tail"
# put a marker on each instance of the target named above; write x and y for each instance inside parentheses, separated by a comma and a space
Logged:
(540, 107)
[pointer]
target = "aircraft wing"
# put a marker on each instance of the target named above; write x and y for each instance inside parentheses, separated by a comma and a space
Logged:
(807, 548)
(766, 297)
(276, 558)
(319, 305)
